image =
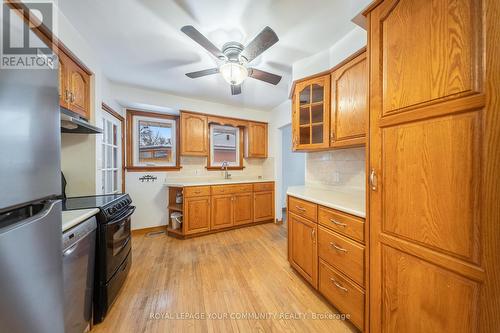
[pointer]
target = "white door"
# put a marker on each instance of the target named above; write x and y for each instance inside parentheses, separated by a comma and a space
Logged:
(111, 154)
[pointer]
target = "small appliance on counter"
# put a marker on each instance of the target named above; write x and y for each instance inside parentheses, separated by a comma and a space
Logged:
(113, 245)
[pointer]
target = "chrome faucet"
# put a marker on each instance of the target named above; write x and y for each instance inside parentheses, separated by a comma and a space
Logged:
(224, 166)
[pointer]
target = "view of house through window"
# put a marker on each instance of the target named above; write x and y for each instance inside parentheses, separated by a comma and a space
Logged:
(224, 145)
(155, 142)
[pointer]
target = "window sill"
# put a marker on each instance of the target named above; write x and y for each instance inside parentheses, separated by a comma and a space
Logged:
(218, 168)
(153, 169)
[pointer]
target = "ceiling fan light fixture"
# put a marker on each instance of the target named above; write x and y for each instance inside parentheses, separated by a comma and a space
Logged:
(234, 73)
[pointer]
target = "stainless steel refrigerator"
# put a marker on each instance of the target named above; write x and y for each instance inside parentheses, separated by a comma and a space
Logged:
(31, 283)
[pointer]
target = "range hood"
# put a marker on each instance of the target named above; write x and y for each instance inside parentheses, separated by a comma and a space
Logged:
(71, 122)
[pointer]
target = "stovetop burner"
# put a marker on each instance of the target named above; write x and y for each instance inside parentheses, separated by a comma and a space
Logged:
(92, 201)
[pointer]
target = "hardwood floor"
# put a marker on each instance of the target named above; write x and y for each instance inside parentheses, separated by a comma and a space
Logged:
(234, 273)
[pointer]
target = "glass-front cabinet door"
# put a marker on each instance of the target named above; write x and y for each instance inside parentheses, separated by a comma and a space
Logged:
(311, 116)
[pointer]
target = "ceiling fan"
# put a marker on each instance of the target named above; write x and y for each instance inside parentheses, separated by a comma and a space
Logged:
(236, 58)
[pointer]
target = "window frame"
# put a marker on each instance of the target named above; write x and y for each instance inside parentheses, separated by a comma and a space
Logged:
(108, 112)
(131, 158)
(106, 169)
(212, 167)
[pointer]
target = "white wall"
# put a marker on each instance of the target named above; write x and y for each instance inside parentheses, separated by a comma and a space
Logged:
(293, 164)
(280, 117)
(322, 61)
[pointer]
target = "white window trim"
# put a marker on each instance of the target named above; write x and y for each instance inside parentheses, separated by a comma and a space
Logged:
(230, 164)
(135, 141)
(104, 144)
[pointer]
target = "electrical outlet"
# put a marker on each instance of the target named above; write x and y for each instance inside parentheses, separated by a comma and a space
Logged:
(336, 177)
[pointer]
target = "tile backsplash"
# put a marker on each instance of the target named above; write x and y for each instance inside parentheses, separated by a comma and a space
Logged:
(343, 167)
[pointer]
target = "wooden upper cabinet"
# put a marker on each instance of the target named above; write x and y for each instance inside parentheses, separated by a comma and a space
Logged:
(256, 140)
(428, 155)
(311, 114)
(63, 82)
(194, 134)
(74, 86)
(349, 113)
(429, 52)
(79, 87)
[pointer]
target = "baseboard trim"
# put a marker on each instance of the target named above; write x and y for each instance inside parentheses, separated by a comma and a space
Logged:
(143, 231)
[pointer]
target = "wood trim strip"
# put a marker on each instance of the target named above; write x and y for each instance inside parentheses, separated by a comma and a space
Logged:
(326, 72)
(349, 143)
(144, 231)
(444, 108)
(215, 118)
(118, 116)
(435, 258)
(130, 165)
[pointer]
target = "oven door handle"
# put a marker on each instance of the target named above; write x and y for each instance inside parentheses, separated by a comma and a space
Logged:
(129, 212)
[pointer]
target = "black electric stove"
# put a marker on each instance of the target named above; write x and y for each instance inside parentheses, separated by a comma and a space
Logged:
(113, 245)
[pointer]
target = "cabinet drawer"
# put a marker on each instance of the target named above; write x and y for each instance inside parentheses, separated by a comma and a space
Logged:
(196, 191)
(257, 187)
(303, 208)
(342, 253)
(342, 223)
(345, 295)
(231, 189)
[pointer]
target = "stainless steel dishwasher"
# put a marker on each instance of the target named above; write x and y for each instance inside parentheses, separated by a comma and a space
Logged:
(78, 270)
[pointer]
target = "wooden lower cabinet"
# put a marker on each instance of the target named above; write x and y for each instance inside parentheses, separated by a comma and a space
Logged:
(243, 208)
(222, 211)
(303, 254)
(263, 206)
(218, 207)
(347, 297)
(324, 247)
(196, 214)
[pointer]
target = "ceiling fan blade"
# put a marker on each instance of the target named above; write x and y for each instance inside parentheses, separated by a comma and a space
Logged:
(264, 76)
(264, 40)
(236, 89)
(202, 40)
(204, 72)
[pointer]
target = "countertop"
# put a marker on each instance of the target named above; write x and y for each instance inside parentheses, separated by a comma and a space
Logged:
(213, 181)
(347, 200)
(70, 218)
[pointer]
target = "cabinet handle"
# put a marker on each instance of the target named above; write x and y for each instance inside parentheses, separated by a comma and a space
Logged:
(66, 95)
(338, 285)
(338, 248)
(373, 180)
(197, 192)
(302, 209)
(313, 233)
(343, 225)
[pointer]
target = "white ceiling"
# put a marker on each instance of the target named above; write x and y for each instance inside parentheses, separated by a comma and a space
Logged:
(139, 42)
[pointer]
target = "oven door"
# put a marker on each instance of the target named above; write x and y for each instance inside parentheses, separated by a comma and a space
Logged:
(117, 241)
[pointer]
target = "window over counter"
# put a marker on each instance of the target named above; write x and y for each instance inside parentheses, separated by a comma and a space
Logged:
(152, 141)
(225, 146)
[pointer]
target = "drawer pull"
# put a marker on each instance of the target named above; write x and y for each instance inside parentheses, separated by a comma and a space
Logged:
(343, 225)
(338, 248)
(338, 285)
(197, 192)
(302, 209)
